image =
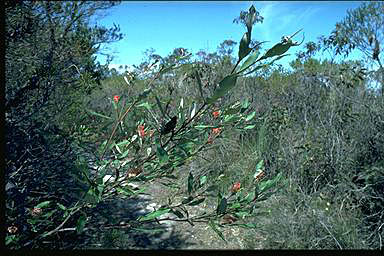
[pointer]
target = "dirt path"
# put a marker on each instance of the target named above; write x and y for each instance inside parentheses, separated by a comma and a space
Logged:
(171, 235)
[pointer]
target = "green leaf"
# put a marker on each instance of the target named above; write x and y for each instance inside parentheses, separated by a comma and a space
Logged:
(190, 183)
(244, 49)
(144, 94)
(187, 200)
(43, 204)
(125, 191)
(182, 103)
(259, 165)
(166, 69)
(265, 65)
(213, 226)
(62, 207)
(123, 155)
(231, 118)
(193, 112)
(9, 239)
(202, 127)
(145, 105)
(178, 214)
(242, 214)
(49, 214)
(232, 111)
(97, 114)
(159, 105)
(154, 214)
(249, 61)
(196, 202)
(224, 86)
(250, 197)
(265, 185)
(248, 127)
(203, 179)
(277, 49)
(162, 154)
(250, 116)
(244, 105)
(81, 223)
(235, 205)
(222, 207)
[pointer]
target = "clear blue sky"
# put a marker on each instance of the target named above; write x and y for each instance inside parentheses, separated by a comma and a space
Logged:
(205, 24)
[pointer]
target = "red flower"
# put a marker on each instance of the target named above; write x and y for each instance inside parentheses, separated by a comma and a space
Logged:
(140, 130)
(216, 131)
(116, 98)
(236, 187)
(216, 114)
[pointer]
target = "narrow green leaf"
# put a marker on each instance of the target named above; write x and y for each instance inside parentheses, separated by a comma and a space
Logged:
(144, 94)
(160, 106)
(265, 65)
(244, 105)
(224, 86)
(202, 127)
(260, 165)
(235, 205)
(217, 231)
(265, 185)
(232, 118)
(199, 84)
(277, 49)
(123, 155)
(187, 200)
(222, 207)
(232, 111)
(249, 61)
(43, 204)
(154, 214)
(178, 214)
(62, 207)
(162, 154)
(244, 49)
(248, 127)
(249, 198)
(190, 183)
(193, 112)
(196, 202)
(182, 103)
(81, 223)
(145, 105)
(125, 191)
(250, 116)
(203, 179)
(97, 114)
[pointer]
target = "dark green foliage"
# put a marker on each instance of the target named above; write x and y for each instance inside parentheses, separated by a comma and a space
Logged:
(169, 126)
(50, 70)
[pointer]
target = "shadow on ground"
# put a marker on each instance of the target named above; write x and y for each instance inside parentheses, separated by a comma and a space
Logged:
(109, 229)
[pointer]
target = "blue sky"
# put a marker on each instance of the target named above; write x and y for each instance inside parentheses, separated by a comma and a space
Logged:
(197, 25)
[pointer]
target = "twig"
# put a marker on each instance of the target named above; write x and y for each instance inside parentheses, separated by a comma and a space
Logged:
(331, 235)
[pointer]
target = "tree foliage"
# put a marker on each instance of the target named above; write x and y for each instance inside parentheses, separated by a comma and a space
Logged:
(362, 29)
